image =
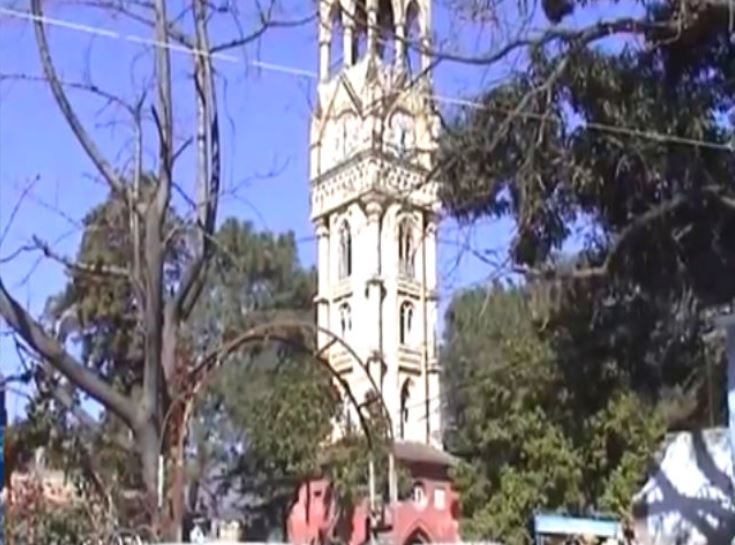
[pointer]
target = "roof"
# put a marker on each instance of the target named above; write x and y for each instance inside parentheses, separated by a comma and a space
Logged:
(412, 451)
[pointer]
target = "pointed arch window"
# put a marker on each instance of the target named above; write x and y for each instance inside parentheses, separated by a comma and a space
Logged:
(406, 248)
(386, 32)
(359, 46)
(406, 322)
(347, 414)
(345, 250)
(413, 38)
(345, 319)
(336, 53)
(405, 396)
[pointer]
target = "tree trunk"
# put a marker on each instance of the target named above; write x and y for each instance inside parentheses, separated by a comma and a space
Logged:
(149, 445)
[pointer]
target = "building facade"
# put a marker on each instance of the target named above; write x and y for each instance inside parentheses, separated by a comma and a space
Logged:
(374, 206)
(374, 211)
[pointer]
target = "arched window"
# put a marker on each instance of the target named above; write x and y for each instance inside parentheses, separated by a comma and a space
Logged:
(405, 396)
(419, 494)
(347, 414)
(345, 319)
(413, 39)
(336, 52)
(387, 32)
(401, 133)
(359, 47)
(406, 322)
(345, 250)
(406, 248)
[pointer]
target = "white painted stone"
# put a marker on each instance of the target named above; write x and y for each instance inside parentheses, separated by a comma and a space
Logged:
(373, 134)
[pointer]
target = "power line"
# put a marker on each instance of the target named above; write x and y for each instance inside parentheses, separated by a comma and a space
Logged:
(305, 73)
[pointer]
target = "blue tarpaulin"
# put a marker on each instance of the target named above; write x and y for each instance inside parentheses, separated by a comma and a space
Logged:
(547, 525)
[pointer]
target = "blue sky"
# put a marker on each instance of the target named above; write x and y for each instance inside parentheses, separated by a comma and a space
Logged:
(266, 131)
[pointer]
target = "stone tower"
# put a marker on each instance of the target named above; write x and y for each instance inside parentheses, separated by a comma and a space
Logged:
(374, 206)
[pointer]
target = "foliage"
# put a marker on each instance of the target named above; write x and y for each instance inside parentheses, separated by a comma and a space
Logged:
(615, 163)
(266, 412)
(263, 419)
(266, 419)
(69, 515)
(98, 312)
(529, 437)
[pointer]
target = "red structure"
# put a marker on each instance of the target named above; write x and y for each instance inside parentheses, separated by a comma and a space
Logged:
(430, 515)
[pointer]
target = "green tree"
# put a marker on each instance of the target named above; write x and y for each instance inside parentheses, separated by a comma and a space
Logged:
(187, 159)
(624, 151)
(274, 402)
(267, 418)
(530, 437)
(264, 415)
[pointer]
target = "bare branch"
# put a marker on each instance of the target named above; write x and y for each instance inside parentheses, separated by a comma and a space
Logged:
(90, 147)
(16, 208)
(208, 169)
(63, 394)
(49, 349)
(643, 220)
(580, 36)
(265, 24)
(78, 86)
(80, 267)
(123, 8)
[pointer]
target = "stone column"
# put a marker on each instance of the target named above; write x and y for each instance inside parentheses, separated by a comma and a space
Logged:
(349, 42)
(374, 290)
(430, 286)
(400, 31)
(372, 30)
(374, 282)
(431, 300)
(424, 25)
(432, 227)
(325, 33)
(323, 268)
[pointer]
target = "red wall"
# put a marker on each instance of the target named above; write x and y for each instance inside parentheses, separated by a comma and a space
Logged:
(312, 514)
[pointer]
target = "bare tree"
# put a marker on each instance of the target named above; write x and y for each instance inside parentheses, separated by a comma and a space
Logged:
(162, 311)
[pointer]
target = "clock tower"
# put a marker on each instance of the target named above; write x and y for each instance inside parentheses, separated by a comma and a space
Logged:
(374, 205)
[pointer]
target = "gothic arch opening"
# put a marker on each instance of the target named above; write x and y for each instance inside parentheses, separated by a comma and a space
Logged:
(345, 319)
(345, 250)
(417, 537)
(406, 248)
(359, 37)
(406, 322)
(405, 406)
(413, 38)
(336, 41)
(386, 32)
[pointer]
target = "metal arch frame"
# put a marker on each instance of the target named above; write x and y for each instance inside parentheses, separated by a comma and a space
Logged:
(264, 333)
(201, 373)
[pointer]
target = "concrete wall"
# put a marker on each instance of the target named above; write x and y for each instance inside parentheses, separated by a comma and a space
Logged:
(690, 497)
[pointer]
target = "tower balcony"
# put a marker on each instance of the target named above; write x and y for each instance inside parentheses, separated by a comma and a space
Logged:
(369, 173)
(409, 359)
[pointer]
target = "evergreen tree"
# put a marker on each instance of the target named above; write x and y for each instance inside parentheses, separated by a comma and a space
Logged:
(534, 430)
